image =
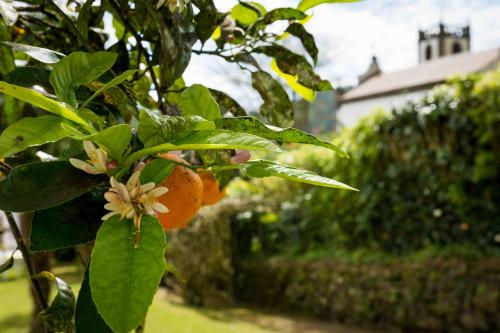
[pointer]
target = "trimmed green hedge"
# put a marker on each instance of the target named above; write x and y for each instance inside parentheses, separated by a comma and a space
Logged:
(437, 295)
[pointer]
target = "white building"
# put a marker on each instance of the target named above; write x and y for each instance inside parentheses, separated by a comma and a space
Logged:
(442, 54)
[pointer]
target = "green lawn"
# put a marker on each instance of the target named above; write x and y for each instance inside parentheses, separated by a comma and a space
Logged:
(165, 315)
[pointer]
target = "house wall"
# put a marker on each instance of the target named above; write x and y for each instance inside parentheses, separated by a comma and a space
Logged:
(349, 113)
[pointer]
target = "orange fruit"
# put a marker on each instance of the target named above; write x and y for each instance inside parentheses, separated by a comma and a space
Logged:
(184, 196)
(212, 193)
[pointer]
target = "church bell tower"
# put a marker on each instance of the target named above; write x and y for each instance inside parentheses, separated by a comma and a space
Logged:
(441, 42)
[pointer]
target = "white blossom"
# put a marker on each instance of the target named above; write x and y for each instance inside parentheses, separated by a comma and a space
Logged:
(97, 162)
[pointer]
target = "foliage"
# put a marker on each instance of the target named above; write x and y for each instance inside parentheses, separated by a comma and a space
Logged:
(113, 109)
(427, 175)
(432, 295)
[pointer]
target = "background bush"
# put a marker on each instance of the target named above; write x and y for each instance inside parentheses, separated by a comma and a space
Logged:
(417, 248)
(428, 174)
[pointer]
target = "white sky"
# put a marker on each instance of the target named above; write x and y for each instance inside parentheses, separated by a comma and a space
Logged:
(349, 34)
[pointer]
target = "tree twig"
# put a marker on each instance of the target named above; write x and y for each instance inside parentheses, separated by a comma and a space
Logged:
(138, 40)
(21, 245)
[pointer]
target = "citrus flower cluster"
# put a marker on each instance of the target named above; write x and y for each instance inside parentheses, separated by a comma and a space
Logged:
(131, 200)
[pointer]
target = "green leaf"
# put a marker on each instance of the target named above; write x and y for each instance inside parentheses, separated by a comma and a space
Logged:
(58, 316)
(157, 170)
(114, 82)
(264, 168)
(29, 132)
(43, 55)
(29, 77)
(124, 278)
(306, 38)
(7, 60)
(155, 130)
(70, 224)
(84, 16)
(114, 140)
(210, 139)
(206, 20)
(8, 264)
(306, 93)
(39, 100)
(282, 14)
(87, 319)
(41, 185)
(227, 104)
(308, 4)
(76, 69)
(277, 107)
(294, 64)
(252, 125)
(197, 101)
(247, 13)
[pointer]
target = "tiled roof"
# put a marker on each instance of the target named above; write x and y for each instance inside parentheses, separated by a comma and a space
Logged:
(425, 74)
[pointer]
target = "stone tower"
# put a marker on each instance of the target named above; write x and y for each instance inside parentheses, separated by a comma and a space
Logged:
(436, 43)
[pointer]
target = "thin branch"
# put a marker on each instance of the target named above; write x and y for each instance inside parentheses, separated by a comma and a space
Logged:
(21, 245)
(138, 40)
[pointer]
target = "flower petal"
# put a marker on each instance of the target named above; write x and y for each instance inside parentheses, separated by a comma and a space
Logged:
(157, 192)
(89, 147)
(108, 215)
(160, 208)
(147, 187)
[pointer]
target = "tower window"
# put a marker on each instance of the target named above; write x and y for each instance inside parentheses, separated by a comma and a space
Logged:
(457, 48)
(428, 53)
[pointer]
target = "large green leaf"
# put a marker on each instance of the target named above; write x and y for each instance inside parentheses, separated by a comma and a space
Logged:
(29, 132)
(298, 30)
(87, 319)
(308, 4)
(114, 140)
(210, 139)
(29, 77)
(155, 129)
(227, 104)
(253, 125)
(43, 55)
(58, 316)
(277, 107)
(264, 168)
(70, 224)
(247, 13)
(76, 69)
(124, 278)
(277, 15)
(39, 100)
(41, 185)
(295, 64)
(84, 16)
(157, 170)
(114, 82)
(7, 60)
(197, 101)
(206, 20)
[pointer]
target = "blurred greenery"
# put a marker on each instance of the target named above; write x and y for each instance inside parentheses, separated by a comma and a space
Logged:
(415, 249)
(166, 314)
(428, 177)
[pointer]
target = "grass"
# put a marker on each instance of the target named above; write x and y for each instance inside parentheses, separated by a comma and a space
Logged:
(165, 315)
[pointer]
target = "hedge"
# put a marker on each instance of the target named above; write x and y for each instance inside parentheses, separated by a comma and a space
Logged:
(436, 295)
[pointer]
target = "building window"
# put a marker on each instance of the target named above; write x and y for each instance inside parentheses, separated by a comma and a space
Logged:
(457, 48)
(428, 52)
